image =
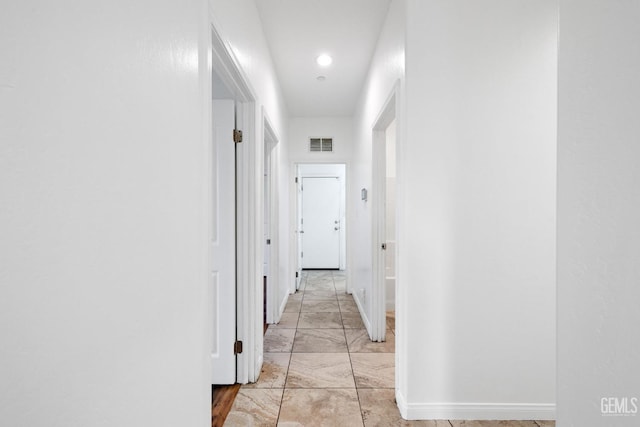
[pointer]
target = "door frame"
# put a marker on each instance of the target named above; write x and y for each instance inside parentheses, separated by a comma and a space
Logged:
(248, 225)
(388, 113)
(275, 302)
(296, 203)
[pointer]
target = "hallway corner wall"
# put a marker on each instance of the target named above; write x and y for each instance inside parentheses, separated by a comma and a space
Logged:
(598, 211)
(103, 248)
(478, 210)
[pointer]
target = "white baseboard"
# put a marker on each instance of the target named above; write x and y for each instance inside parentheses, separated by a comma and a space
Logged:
(475, 411)
(365, 319)
(258, 368)
(283, 304)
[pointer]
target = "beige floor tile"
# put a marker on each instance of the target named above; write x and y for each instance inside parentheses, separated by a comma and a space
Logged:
(287, 321)
(347, 306)
(255, 407)
(296, 296)
(352, 321)
(374, 370)
(320, 306)
(315, 274)
(320, 408)
(343, 296)
(274, 371)
(293, 306)
(546, 423)
(320, 321)
(320, 283)
(320, 286)
(320, 341)
(340, 284)
(279, 340)
(379, 409)
(359, 342)
(319, 294)
(467, 423)
(320, 370)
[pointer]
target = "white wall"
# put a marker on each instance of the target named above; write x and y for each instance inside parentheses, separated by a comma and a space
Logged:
(303, 128)
(246, 41)
(102, 320)
(598, 210)
(477, 260)
(248, 44)
(387, 69)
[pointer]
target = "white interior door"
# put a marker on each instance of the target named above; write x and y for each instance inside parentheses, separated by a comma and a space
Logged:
(223, 244)
(266, 197)
(321, 222)
(298, 229)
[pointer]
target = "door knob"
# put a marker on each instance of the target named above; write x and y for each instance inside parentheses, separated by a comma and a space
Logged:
(336, 228)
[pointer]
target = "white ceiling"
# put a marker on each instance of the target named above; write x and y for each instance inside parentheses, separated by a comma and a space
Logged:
(298, 31)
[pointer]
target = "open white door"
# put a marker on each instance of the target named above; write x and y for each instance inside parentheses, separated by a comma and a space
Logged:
(266, 198)
(321, 222)
(223, 244)
(298, 228)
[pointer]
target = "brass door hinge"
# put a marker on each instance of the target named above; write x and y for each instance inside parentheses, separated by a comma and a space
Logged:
(237, 136)
(237, 347)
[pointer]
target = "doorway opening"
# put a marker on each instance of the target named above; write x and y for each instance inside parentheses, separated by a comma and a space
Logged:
(321, 216)
(384, 232)
(274, 297)
(390, 224)
(233, 245)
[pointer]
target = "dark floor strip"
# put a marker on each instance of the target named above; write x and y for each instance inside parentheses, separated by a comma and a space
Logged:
(221, 402)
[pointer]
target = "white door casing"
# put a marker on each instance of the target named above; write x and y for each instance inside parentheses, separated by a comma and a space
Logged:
(321, 222)
(223, 244)
(247, 301)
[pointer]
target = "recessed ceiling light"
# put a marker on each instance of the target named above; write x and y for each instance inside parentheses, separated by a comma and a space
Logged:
(324, 60)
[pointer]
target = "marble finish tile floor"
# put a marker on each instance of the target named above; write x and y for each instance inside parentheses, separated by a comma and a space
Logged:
(321, 369)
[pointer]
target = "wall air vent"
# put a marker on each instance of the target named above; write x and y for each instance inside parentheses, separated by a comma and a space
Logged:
(320, 144)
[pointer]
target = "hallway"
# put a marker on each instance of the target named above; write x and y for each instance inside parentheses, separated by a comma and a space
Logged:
(321, 369)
